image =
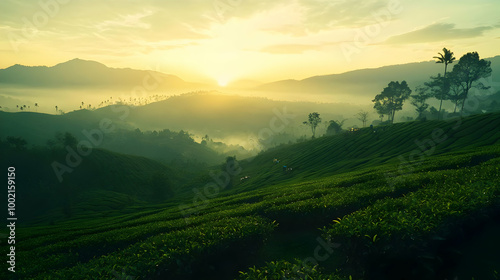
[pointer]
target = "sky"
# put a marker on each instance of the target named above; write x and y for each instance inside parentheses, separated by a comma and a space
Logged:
(229, 40)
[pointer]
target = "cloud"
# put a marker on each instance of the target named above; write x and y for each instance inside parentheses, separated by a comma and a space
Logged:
(315, 16)
(290, 48)
(320, 14)
(297, 48)
(128, 21)
(437, 32)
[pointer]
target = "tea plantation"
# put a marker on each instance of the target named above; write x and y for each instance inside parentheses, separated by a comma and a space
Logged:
(393, 202)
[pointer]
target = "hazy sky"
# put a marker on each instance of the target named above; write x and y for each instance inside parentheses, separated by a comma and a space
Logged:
(254, 39)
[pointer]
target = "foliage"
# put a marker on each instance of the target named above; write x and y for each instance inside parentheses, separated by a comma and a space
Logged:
(16, 143)
(335, 127)
(280, 270)
(419, 101)
(363, 117)
(468, 72)
(390, 228)
(446, 58)
(385, 212)
(313, 121)
(391, 99)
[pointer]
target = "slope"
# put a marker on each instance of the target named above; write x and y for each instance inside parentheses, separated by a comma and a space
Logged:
(396, 144)
(111, 131)
(215, 236)
(59, 184)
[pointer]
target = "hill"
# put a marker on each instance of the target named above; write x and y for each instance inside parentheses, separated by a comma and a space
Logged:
(232, 116)
(404, 143)
(60, 183)
(78, 73)
(364, 83)
(173, 148)
(69, 84)
(236, 120)
(379, 217)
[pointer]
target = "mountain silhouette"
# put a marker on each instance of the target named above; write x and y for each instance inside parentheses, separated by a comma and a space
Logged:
(85, 73)
(367, 82)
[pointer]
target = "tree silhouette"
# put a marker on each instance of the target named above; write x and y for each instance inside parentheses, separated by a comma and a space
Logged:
(67, 139)
(419, 100)
(363, 117)
(56, 108)
(455, 93)
(468, 71)
(17, 143)
(446, 58)
(391, 99)
(313, 121)
(335, 127)
(36, 107)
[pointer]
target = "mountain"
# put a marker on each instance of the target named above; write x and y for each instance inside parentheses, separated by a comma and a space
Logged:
(365, 83)
(62, 81)
(78, 73)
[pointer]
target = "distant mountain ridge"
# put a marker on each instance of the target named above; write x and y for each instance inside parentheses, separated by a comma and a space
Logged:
(368, 82)
(363, 83)
(85, 73)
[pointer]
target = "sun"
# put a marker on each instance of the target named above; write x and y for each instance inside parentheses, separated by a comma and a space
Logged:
(222, 82)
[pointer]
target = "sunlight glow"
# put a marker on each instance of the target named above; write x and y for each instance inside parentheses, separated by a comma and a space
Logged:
(222, 82)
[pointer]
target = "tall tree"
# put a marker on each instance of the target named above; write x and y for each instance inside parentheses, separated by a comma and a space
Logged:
(468, 71)
(363, 117)
(313, 121)
(446, 58)
(419, 100)
(455, 93)
(391, 99)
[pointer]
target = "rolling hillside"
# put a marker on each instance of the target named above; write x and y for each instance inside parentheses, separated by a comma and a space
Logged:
(366, 148)
(220, 115)
(372, 211)
(110, 132)
(57, 184)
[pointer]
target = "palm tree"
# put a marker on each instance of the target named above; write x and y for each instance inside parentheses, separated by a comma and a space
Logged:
(447, 58)
(56, 108)
(36, 107)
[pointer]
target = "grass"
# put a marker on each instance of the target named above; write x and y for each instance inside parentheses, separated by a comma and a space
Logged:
(347, 188)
